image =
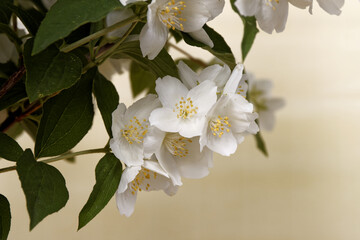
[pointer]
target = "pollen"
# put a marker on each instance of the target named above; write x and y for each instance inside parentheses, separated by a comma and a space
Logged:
(185, 108)
(220, 125)
(135, 131)
(270, 3)
(142, 181)
(170, 14)
(177, 145)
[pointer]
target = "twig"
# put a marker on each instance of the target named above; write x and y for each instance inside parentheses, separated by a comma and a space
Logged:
(13, 79)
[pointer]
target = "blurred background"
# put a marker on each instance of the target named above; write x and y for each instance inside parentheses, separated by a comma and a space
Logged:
(309, 186)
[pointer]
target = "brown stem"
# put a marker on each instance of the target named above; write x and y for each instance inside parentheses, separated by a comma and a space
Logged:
(196, 60)
(13, 79)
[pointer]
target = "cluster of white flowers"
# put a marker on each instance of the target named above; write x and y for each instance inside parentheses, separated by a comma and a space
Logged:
(272, 14)
(164, 138)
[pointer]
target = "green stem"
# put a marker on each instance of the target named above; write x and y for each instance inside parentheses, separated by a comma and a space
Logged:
(108, 53)
(100, 33)
(61, 157)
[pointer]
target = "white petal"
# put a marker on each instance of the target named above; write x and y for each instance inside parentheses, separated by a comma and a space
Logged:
(216, 73)
(153, 39)
(170, 91)
(195, 164)
(126, 2)
(130, 154)
(215, 7)
(270, 18)
(193, 127)
(128, 175)
(204, 96)
(301, 3)
(202, 36)
(225, 145)
(187, 75)
(142, 108)
(153, 140)
(167, 162)
(196, 15)
(234, 80)
(126, 202)
(331, 6)
(165, 119)
(248, 7)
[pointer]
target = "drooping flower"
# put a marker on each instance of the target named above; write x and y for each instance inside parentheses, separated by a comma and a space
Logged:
(179, 156)
(265, 105)
(129, 128)
(270, 14)
(147, 177)
(230, 119)
(183, 110)
(184, 15)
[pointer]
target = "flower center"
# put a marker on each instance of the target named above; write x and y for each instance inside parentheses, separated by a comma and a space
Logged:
(136, 131)
(185, 108)
(176, 144)
(220, 125)
(271, 3)
(142, 180)
(170, 14)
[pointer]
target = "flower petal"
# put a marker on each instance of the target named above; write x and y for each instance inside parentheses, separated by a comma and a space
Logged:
(224, 145)
(153, 141)
(170, 91)
(167, 161)
(187, 75)
(196, 14)
(130, 154)
(204, 96)
(248, 7)
(202, 37)
(234, 80)
(125, 202)
(331, 6)
(142, 108)
(153, 38)
(165, 119)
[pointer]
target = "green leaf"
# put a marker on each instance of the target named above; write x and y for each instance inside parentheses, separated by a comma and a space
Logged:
(250, 31)
(5, 217)
(141, 79)
(220, 50)
(66, 118)
(161, 66)
(5, 12)
(108, 174)
(67, 15)
(43, 185)
(49, 71)
(16, 94)
(260, 143)
(9, 148)
(30, 127)
(107, 99)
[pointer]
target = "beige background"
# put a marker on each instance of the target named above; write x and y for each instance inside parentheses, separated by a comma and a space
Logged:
(309, 187)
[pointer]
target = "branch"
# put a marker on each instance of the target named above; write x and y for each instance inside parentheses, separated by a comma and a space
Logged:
(10, 83)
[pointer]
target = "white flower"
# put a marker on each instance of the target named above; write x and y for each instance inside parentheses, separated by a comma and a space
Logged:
(330, 6)
(179, 156)
(147, 177)
(265, 105)
(185, 15)
(183, 111)
(230, 119)
(270, 14)
(129, 127)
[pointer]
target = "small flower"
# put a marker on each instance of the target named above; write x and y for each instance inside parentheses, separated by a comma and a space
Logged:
(179, 156)
(129, 128)
(184, 15)
(183, 110)
(265, 105)
(270, 14)
(147, 177)
(230, 119)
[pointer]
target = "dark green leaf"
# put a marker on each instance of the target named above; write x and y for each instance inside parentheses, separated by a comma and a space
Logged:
(66, 118)
(220, 50)
(108, 174)
(49, 71)
(250, 31)
(43, 185)
(107, 99)
(67, 15)
(141, 79)
(9, 148)
(161, 66)
(5, 217)
(4, 28)
(260, 143)
(7, 69)
(13, 96)
(30, 127)
(5, 12)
